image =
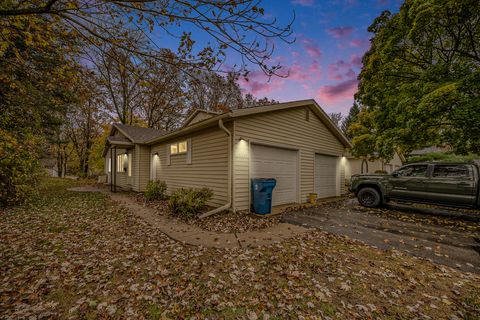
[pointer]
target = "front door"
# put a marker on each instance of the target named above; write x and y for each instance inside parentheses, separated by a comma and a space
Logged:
(409, 182)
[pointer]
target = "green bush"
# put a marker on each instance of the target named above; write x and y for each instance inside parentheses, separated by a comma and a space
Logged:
(20, 169)
(381, 172)
(189, 202)
(156, 190)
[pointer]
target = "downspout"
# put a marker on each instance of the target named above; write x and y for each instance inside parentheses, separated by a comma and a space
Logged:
(230, 169)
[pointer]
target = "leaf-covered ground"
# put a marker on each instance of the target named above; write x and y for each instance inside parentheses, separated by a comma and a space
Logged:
(78, 255)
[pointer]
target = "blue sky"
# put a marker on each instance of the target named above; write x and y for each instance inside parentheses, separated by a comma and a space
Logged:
(323, 63)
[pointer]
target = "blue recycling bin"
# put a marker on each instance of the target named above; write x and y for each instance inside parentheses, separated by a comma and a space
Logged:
(262, 190)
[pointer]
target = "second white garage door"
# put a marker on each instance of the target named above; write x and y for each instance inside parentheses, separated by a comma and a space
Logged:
(278, 163)
(325, 176)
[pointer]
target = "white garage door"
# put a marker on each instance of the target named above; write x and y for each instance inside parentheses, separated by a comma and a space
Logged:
(325, 176)
(281, 164)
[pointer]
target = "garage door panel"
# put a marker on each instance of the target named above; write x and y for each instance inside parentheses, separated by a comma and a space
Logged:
(280, 164)
(325, 176)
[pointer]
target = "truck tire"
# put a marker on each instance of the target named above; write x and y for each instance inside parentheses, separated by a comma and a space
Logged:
(369, 197)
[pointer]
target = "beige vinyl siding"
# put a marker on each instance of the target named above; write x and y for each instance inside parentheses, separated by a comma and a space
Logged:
(141, 172)
(209, 167)
(286, 128)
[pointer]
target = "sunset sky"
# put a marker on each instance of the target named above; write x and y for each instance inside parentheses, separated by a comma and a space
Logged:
(323, 63)
(325, 60)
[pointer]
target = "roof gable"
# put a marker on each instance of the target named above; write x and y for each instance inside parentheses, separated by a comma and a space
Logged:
(199, 115)
(138, 134)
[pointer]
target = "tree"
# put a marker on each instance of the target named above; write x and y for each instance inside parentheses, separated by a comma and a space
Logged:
(37, 83)
(336, 118)
(162, 103)
(84, 121)
(213, 92)
(350, 119)
(120, 77)
(420, 81)
(250, 101)
(239, 26)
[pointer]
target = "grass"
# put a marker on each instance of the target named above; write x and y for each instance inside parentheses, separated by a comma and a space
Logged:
(72, 254)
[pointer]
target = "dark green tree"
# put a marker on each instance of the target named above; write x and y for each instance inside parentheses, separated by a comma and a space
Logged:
(349, 119)
(420, 81)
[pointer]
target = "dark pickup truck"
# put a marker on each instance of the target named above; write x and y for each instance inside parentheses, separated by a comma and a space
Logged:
(451, 184)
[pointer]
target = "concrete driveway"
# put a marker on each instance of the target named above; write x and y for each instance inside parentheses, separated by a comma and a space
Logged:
(454, 243)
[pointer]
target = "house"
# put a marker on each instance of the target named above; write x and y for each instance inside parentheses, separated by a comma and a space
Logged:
(428, 150)
(358, 165)
(295, 142)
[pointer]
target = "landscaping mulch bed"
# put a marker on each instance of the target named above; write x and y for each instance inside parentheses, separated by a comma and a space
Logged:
(224, 222)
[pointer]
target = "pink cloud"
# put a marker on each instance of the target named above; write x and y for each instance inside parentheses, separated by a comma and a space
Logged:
(340, 91)
(350, 74)
(258, 83)
(340, 70)
(360, 43)
(340, 32)
(356, 60)
(312, 48)
(301, 73)
(305, 3)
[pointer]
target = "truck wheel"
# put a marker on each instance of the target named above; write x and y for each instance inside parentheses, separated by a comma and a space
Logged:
(369, 197)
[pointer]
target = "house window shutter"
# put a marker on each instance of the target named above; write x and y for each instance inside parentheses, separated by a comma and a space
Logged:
(189, 151)
(168, 154)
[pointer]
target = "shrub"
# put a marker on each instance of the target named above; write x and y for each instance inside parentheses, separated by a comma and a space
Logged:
(381, 172)
(156, 190)
(20, 169)
(189, 202)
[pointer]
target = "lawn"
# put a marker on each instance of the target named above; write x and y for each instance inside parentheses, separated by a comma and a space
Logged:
(79, 255)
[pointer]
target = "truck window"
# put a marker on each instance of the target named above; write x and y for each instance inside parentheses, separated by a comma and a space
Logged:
(451, 171)
(412, 171)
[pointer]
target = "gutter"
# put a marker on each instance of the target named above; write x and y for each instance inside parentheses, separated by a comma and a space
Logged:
(230, 167)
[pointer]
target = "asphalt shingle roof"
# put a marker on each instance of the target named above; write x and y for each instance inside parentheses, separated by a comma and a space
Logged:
(139, 134)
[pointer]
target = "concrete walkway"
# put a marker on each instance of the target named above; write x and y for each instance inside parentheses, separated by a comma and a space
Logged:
(193, 235)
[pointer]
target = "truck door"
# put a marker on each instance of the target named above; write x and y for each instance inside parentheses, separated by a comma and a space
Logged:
(452, 184)
(409, 182)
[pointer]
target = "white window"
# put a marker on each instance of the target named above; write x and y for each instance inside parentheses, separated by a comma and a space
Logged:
(130, 165)
(182, 147)
(179, 147)
(109, 165)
